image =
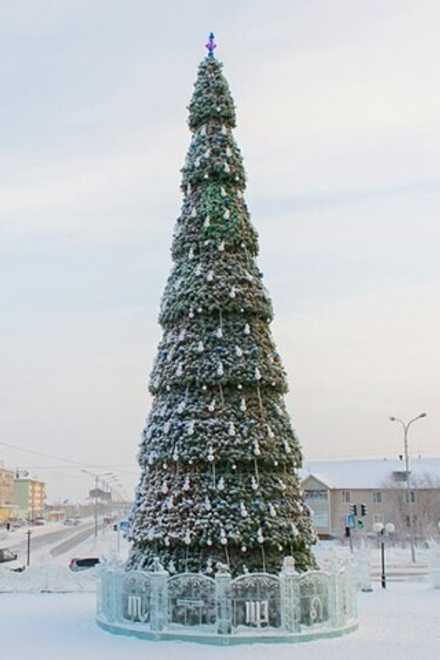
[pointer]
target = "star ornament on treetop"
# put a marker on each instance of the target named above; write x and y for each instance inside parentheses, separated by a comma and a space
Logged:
(211, 45)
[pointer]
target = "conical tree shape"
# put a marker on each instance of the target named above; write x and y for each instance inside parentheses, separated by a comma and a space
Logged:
(219, 458)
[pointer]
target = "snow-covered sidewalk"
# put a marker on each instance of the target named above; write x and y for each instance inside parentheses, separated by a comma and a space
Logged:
(401, 622)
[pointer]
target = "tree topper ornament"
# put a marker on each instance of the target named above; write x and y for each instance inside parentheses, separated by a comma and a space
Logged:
(211, 45)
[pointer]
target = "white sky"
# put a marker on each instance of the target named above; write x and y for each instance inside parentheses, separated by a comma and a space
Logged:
(339, 122)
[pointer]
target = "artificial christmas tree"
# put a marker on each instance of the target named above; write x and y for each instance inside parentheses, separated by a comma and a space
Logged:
(219, 458)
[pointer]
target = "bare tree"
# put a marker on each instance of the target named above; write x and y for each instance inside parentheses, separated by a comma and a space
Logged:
(425, 495)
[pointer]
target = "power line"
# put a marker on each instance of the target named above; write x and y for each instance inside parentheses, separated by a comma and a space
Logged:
(60, 458)
(41, 453)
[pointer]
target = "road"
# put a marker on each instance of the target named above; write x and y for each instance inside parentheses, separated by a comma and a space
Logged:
(53, 541)
(73, 541)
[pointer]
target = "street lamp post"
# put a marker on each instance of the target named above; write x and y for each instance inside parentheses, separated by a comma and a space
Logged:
(97, 478)
(408, 488)
(28, 553)
(381, 530)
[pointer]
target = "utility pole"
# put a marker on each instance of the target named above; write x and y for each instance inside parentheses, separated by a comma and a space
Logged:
(96, 477)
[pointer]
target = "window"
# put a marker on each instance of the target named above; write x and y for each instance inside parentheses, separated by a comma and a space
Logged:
(377, 497)
(316, 495)
(346, 496)
(400, 476)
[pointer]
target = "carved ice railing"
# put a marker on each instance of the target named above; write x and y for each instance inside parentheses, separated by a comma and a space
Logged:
(290, 606)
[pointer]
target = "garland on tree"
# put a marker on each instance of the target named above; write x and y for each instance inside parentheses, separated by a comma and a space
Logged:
(219, 458)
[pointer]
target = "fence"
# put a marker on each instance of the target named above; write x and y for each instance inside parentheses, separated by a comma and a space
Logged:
(260, 607)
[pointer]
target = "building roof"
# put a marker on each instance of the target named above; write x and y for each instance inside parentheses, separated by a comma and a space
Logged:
(368, 473)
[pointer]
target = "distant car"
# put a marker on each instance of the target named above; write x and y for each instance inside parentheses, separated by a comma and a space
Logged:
(8, 560)
(39, 522)
(17, 524)
(83, 563)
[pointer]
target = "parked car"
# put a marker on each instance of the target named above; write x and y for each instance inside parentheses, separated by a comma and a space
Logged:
(8, 559)
(83, 563)
(16, 524)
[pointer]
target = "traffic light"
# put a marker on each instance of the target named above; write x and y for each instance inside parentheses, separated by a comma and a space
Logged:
(354, 509)
(360, 524)
(363, 509)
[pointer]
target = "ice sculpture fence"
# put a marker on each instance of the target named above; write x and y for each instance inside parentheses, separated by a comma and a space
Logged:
(290, 606)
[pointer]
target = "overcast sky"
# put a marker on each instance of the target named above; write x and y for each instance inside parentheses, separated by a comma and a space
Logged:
(338, 105)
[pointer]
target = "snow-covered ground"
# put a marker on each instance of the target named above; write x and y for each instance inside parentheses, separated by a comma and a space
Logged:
(401, 621)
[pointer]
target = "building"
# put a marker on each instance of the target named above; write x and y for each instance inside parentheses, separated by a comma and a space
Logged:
(29, 496)
(358, 493)
(7, 508)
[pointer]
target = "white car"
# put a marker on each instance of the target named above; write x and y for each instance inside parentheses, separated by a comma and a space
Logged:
(8, 560)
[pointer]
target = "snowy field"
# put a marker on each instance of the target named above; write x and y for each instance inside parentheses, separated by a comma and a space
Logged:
(401, 622)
